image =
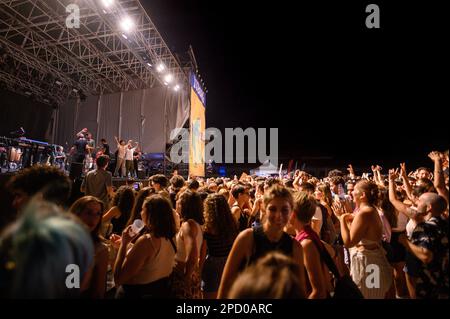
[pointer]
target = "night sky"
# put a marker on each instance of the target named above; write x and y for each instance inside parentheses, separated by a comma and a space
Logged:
(331, 86)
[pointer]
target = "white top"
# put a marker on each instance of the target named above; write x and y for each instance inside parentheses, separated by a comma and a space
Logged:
(181, 245)
(410, 226)
(160, 266)
(129, 154)
(318, 217)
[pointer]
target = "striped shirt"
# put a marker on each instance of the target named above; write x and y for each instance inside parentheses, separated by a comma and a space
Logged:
(217, 246)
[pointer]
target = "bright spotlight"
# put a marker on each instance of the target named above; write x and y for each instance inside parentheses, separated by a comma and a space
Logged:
(176, 88)
(161, 67)
(127, 24)
(107, 3)
(168, 78)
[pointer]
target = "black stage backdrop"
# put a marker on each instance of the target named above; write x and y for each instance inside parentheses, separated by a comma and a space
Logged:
(20, 111)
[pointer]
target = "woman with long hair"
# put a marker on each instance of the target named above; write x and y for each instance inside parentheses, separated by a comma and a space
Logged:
(362, 233)
(89, 210)
(120, 212)
(186, 278)
(219, 232)
(142, 269)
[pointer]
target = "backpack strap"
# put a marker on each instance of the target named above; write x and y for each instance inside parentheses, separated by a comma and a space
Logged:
(326, 258)
(173, 245)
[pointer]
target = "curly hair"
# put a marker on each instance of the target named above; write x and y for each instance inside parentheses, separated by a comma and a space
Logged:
(51, 181)
(336, 180)
(124, 201)
(218, 218)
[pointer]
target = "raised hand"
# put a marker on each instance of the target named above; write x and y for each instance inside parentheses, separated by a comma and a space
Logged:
(403, 169)
(435, 156)
(393, 174)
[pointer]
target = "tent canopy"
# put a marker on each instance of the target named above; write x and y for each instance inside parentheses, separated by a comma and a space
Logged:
(266, 169)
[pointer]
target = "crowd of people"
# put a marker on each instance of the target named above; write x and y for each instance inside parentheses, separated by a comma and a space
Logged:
(295, 236)
(83, 154)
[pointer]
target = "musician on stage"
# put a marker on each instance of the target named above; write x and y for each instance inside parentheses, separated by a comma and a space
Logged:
(105, 147)
(79, 147)
(60, 157)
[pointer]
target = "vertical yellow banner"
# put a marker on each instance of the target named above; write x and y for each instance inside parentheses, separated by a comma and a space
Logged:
(197, 142)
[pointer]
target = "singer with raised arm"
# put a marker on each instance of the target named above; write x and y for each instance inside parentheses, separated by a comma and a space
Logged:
(121, 152)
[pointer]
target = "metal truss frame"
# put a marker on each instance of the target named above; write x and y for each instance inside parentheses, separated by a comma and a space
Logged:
(41, 57)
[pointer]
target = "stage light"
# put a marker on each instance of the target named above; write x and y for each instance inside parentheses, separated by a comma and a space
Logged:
(176, 88)
(168, 78)
(127, 24)
(124, 36)
(107, 3)
(161, 67)
(149, 64)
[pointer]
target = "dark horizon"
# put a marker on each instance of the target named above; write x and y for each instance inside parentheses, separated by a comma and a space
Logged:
(331, 86)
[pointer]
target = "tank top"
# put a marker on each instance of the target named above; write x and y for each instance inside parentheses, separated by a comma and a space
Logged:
(243, 219)
(160, 266)
(181, 245)
(262, 245)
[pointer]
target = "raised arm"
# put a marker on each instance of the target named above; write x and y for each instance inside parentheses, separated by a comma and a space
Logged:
(353, 227)
(439, 180)
(398, 205)
(405, 179)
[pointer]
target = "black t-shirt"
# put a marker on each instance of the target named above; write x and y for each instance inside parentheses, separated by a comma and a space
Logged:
(262, 245)
(106, 147)
(80, 145)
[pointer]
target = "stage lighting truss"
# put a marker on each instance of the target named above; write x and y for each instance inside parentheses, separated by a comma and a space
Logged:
(104, 55)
